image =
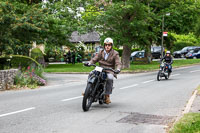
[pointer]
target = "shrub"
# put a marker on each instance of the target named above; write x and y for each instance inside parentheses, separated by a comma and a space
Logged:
(179, 45)
(30, 78)
(17, 61)
(181, 41)
(37, 55)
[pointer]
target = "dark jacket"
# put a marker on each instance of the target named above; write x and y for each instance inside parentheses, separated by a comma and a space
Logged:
(167, 59)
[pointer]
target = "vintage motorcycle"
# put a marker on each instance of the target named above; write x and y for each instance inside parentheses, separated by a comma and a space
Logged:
(163, 72)
(95, 89)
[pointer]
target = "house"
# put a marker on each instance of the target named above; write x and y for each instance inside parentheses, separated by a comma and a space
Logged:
(90, 40)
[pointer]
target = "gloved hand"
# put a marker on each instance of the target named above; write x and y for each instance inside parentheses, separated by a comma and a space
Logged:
(117, 71)
(86, 64)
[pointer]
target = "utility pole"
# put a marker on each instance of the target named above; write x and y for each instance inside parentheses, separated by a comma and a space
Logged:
(162, 37)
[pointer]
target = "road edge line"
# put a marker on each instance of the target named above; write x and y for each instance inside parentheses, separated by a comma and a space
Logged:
(190, 102)
(186, 110)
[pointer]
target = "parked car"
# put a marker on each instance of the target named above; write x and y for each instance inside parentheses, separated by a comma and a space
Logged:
(137, 54)
(182, 53)
(156, 52)
(192, 53)
(177, 54)
(197, 55)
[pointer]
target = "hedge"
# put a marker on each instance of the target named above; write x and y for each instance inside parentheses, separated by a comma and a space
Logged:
(37, 55)
(179, 45)
(17, 61)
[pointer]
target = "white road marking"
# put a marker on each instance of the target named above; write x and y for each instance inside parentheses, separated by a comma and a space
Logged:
(19, 111)
(175, 75)
(195, 71)
(148, 81)
(73, 98)
(188, 107)
(126, 87)
(190, 102)
(65, 84)
(183, 68)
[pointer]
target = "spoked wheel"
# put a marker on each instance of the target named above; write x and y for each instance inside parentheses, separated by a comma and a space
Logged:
(167, 76)
(158, 76)
(87, 99)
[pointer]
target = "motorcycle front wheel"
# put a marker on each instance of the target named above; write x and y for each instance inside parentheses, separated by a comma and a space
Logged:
(158, 76)
(166, 77)
(87, 98)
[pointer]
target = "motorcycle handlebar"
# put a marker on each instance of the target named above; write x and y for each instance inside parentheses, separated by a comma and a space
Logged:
(104, 68)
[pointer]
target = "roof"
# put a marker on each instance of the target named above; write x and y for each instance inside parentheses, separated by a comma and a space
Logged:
(88, 37)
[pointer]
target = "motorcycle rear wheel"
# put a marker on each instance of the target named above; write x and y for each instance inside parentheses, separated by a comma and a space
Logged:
(100, 102)
(87, 99)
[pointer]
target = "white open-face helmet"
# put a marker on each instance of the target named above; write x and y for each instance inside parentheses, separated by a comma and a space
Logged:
(168, 52)
(108, 40)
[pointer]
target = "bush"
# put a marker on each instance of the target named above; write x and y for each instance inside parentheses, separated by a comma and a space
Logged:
(37, 55)
(179, 45)
(17, 61)
(181, 41)
(30, 78)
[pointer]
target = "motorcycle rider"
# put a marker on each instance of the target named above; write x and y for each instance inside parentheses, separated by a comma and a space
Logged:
(108, 58)
(168, 60)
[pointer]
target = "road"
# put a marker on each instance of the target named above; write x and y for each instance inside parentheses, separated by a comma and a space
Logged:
(140, 104)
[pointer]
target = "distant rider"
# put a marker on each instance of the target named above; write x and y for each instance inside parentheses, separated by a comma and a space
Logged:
(168, 60)
(108, 58)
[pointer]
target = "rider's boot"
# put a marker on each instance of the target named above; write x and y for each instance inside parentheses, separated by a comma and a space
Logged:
(107, 99)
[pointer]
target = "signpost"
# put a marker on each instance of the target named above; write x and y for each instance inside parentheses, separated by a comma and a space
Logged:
(163, 33)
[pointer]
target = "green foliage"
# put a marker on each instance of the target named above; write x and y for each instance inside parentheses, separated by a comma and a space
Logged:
(184, 16)
(189, 123)
(197, 28)
(126, 23)
(17, 61)
(30, 78)
(78, 67)
(37, 55)
(179, 45)
(184, 40)
(22, 22)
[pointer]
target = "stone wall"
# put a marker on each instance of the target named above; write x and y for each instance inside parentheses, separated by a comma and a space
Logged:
(7, 78)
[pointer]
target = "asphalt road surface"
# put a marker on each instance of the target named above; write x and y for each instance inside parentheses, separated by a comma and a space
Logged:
(140, 104)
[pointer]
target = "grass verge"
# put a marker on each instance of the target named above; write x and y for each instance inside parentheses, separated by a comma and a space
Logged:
(134, 67)
(189, 123)
(78, 67)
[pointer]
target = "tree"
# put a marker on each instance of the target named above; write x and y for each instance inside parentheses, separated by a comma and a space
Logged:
(24, 21)
(19, 26)
(127, 22)
(138, 22)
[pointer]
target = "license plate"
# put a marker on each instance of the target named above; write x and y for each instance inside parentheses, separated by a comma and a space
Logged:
(99, 69)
